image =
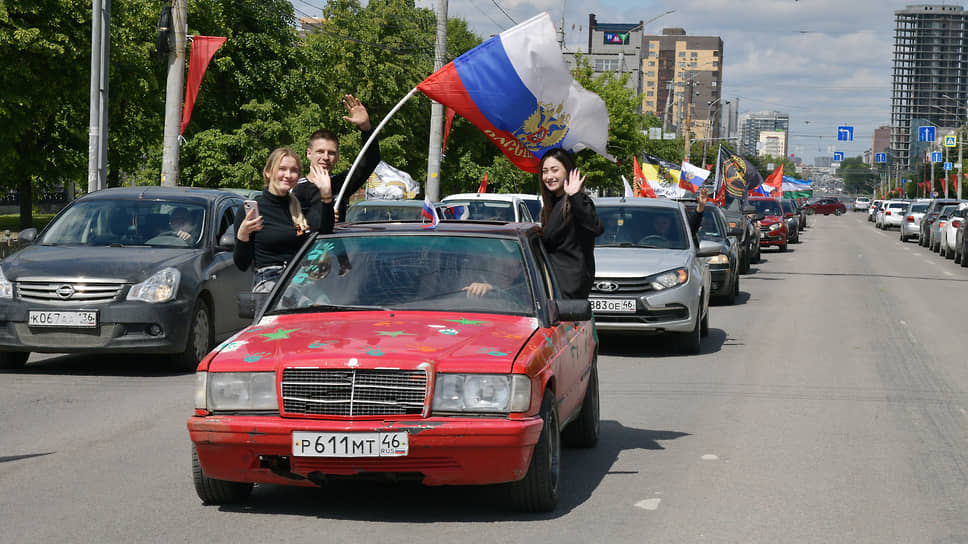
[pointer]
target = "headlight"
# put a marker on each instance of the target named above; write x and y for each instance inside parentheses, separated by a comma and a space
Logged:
(229, 391)
(719, 259)
(774, 226)
(201, 390)
(499, 393)
(160, 287)
(672, 278)
(6, 287)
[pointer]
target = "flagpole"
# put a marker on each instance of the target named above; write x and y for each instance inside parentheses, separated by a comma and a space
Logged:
(379, 127)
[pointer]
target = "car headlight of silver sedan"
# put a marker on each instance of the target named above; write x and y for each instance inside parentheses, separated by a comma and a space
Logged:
(670, 279)
(6, 287)
(482, 393)
(233, 391)
(162, 286)
(722, 258)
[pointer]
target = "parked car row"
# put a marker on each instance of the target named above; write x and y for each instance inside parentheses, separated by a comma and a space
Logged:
(939, 224)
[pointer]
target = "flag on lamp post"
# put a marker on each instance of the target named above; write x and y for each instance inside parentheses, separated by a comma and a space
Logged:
(203, 49)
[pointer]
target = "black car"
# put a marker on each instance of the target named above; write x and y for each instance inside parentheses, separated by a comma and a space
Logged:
(930, 216)
(792, 218)
(134, 270)
(724, 266)
(748, 235)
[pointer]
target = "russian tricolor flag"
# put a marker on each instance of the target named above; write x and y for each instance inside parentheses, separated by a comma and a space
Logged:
(692, 177)
(429, 213)
(517, 89)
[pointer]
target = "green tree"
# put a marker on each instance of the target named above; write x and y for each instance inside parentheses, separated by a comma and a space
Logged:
(858, 177)
(44, 47)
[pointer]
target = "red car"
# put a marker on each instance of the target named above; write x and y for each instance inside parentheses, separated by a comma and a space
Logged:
(773, 227)
(398, 351)
(826, 206)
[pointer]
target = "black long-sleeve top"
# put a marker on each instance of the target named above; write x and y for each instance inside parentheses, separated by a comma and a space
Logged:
(278, 241)
(571, 244)
(308, 194)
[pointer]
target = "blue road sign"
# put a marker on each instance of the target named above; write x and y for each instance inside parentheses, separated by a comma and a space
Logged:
(838, 156)
(947, 166)
(936, 156)
(880, 157)
(926, 134)
(845, 134)
(950, 141)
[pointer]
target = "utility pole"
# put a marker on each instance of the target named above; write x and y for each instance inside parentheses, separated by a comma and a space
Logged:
(98, 130)
(687, 126)
(174, 94)
(958, 184)
(436, 108)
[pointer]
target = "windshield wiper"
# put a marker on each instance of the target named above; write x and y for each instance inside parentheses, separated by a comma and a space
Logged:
(331, 308)
(629, 244)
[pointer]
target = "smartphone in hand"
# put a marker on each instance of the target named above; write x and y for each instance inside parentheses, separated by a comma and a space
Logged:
(251, 205)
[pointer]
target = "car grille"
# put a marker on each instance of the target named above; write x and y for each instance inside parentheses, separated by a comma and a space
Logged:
(360, 392)
(617, 286)
(69, 290)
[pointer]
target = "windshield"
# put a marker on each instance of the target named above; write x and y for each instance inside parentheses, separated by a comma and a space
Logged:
(368, 212)
(409, 272)
(642, 226)
(128, 222)
(480, 210)
(788, 206)
(766, 207)
(918, 208)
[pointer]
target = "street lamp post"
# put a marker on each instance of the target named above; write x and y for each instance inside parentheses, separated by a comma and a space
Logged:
(709, 107)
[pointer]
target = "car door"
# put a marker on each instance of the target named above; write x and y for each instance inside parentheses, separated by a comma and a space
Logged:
(224, 280)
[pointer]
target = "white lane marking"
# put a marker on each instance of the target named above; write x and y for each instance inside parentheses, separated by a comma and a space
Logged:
(649, 504)
(932, 263)
(963, 411)
(710, 457)
(947, 273)
(903, 322)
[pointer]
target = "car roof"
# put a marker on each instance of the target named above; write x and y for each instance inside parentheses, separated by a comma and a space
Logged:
(445, 226)
(408, 203)
(500, 197)
(637, 201)
(196, 195)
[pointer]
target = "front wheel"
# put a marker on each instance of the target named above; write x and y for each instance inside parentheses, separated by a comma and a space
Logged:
(838, 212)
(689, 342)
(539, 490)
(213, 491)
(199, 339)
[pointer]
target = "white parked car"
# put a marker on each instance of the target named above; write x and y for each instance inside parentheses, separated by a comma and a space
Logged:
(911, 223)
(872, 211)
(891, 214)
(506, 207)
(949, 231)
(862, 204)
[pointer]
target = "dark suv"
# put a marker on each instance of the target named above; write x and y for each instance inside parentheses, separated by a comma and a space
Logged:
(930, 216)
(748, 235)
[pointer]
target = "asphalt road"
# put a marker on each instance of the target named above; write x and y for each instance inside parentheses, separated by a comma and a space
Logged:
(830, 404)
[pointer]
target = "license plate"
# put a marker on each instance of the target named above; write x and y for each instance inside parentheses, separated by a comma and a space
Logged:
(85, 319)
(612, 305)
(305, 444)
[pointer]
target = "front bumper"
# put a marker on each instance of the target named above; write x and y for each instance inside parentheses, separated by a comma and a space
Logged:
(720, 280)
(669, 310)
(122, 327)
(775, 238)
(443, 450)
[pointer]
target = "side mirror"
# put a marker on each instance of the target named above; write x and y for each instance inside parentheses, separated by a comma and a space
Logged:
(759, 217)
(573, 309)
(27, 236)
(227, 240)
(708, 248)
(251, 303)
(736, 231)
(788, 214)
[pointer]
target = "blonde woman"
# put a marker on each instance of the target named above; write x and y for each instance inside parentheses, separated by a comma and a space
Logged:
(271, 234)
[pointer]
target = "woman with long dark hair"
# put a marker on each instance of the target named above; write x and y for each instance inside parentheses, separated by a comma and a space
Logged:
(569, 222)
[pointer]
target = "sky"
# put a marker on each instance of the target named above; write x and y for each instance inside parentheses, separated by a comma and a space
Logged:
(826, 63)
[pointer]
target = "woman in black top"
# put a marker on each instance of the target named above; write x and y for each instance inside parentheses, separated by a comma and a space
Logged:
(570, 223)
(271, 238)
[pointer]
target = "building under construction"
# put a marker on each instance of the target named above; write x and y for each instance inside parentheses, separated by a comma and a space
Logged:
(930, 80)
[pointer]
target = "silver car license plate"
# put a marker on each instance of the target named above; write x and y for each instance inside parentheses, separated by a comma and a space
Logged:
(625, 305)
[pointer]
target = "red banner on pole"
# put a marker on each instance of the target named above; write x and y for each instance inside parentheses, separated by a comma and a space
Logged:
(203, 49)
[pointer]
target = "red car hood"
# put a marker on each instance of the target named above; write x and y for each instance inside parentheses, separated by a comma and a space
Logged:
(770, 219)
(468, 342)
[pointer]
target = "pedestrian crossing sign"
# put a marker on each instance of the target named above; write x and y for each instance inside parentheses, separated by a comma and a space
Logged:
(951, 141)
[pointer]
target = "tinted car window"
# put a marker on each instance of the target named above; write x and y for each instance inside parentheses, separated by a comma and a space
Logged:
(766, 207)
(643, 226)
(918, 208)
(410, 272)
(102, 222)
(493, 210)
(711, 228)
(534, 206)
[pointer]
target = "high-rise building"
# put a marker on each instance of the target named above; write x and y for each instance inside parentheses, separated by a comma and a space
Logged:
(752, 124)
(682, 79)
(930, 78)
(881, 142)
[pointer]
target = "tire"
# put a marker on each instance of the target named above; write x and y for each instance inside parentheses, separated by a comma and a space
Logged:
(199, 339)
(964, 258)
(583, 431)
(704, 325)
(757, 258)
(957, 256)
(783, 247)
(689, 342)
(213, 491)
(539, 490)
(744, 265)
(730, 298)
(949, 253)
(811, 211)
(838, 212)
(13, 360)
(903, 238)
